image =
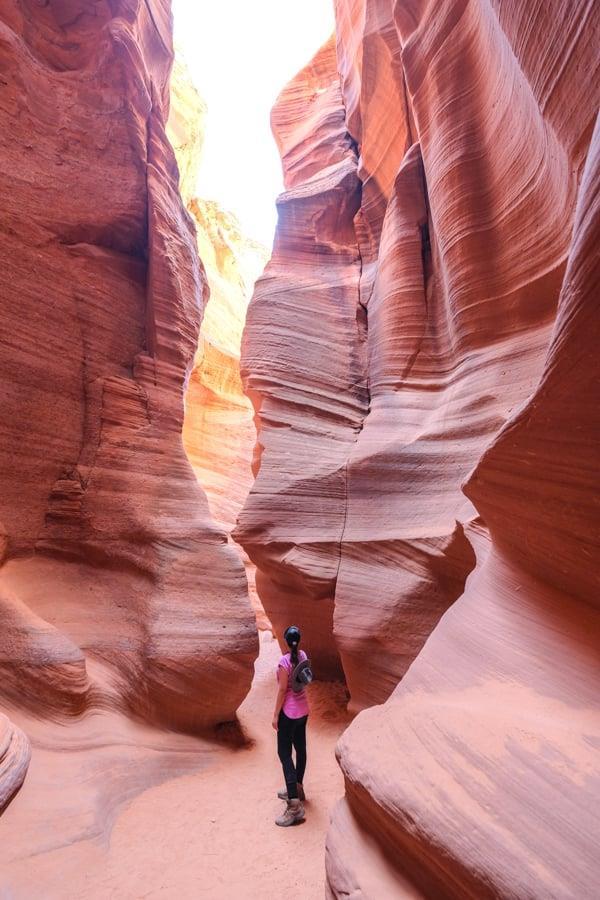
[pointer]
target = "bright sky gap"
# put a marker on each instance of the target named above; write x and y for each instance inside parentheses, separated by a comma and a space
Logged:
(240, 56)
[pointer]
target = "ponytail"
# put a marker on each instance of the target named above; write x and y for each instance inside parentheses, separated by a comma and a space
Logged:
(292, 637)
(294, 653)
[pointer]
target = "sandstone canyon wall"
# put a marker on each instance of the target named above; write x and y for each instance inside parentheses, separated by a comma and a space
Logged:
(422, 356)
(116, 586)
(186, 126)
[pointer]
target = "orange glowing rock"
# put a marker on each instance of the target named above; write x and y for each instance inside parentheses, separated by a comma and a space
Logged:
(218, 431)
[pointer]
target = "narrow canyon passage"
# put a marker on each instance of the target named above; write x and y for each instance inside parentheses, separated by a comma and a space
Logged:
(114, 810)
(382, 426)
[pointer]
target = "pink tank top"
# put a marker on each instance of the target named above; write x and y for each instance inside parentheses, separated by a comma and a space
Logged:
(295, 705)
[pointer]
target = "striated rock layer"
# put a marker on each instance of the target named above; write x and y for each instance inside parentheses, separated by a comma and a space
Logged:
(116, 586)
(497, 723)
(425, 323)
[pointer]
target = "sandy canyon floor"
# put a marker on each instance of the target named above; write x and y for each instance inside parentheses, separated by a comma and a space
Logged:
(115, 810)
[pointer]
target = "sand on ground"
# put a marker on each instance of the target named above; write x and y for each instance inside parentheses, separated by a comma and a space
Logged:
(115, 810)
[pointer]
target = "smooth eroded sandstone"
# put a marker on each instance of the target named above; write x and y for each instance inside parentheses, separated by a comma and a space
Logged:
(479, 775)
(116, 586)
(218, 430)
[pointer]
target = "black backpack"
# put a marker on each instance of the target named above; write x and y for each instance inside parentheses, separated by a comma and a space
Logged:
(302, 675)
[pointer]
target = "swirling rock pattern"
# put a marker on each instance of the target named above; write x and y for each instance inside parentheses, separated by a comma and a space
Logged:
(111, 559)
(460, 352)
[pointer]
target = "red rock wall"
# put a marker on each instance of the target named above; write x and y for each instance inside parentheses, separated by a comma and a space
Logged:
(393, 361)
(116, 586)
(479, 776)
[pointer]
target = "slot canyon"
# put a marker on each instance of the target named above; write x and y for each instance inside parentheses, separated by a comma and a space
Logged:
(385, 430)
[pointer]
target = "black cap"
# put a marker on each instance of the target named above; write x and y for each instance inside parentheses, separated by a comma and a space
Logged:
(292, 635)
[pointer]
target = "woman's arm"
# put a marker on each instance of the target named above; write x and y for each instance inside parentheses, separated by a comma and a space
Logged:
(282, 683)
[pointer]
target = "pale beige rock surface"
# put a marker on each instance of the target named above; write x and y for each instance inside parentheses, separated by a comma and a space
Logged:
(15, 754)
(218, 431)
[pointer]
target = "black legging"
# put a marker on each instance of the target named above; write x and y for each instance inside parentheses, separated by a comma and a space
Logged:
(292, 732)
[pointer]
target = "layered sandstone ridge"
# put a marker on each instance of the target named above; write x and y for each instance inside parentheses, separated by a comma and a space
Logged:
(427, 323)
(116, 588)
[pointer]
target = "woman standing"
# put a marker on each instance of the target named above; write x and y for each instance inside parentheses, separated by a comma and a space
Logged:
(289, 721)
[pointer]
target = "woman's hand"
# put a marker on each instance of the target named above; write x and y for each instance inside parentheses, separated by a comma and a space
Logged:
(282, 686)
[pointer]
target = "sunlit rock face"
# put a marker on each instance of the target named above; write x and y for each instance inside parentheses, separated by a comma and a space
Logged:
(186, 126)
(303, 361)
(421, 356)
(116, 586)
(218, 431)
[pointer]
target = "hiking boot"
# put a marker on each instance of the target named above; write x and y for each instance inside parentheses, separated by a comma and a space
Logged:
(283, 794)
(294, 813)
